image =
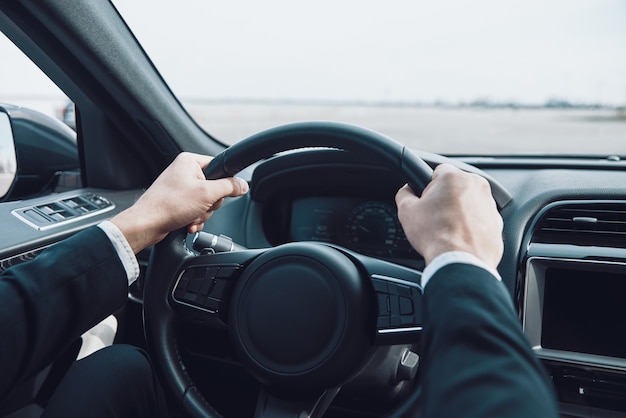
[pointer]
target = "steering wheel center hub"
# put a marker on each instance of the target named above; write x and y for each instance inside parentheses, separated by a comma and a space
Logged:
(293, 312)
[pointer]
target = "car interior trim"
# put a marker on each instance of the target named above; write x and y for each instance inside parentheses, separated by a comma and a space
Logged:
(59, 212)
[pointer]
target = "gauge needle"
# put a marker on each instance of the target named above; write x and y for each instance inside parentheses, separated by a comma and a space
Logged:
(364, 228)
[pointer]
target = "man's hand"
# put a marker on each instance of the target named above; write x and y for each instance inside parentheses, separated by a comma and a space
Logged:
(181, 196)
(455, 213)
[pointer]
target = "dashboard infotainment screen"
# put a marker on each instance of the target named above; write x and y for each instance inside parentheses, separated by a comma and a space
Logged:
(584, 311)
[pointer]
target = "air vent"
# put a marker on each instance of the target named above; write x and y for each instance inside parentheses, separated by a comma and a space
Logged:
(590, 224)
(59, 212)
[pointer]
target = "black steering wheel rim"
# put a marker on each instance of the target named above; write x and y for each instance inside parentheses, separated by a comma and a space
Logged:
(343, 136)
(159, 316)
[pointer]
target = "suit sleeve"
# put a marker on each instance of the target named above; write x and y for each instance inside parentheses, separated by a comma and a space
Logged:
(476, 361)
(47, 303)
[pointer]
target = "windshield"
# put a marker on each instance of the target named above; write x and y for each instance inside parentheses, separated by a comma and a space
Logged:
(454, 77)
(486, 77)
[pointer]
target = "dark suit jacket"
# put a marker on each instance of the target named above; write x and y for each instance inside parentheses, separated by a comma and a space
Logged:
(49, 302)
(476, 360)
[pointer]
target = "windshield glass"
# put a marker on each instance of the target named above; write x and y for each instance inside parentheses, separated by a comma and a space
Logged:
(453, 77)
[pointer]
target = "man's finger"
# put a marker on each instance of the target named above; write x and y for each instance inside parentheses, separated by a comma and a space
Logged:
(404, 192)
(202, 160)
(229, 187)
(443, 169)
(217, 205)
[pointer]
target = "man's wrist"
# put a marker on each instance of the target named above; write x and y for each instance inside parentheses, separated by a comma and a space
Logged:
(123, 249)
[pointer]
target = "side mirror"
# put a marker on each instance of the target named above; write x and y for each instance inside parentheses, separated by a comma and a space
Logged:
(42, 153)
(8, 159)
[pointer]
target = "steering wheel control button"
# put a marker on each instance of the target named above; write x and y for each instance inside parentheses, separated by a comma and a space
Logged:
(195, 284)
(181, 287)
(205, 287)
(406, 306)
(399, 317)
(226, 272)
(384, 310)
(190, 297)
(212, 304)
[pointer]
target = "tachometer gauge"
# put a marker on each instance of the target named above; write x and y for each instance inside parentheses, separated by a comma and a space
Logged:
(373, 228)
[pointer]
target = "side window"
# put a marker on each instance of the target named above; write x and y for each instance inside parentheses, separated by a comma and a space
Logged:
(43, 127)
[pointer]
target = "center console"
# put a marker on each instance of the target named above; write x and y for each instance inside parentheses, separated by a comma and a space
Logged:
(573, 305)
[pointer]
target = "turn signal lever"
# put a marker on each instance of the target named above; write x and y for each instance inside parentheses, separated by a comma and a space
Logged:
(206, 243)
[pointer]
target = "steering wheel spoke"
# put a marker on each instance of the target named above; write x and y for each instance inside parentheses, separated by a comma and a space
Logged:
(204, 283)
(398, 297)
(399, 319)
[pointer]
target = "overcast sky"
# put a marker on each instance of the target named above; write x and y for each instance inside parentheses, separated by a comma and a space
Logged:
(398, 50)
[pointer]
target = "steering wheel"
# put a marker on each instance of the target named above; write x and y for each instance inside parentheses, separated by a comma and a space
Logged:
(304, 317)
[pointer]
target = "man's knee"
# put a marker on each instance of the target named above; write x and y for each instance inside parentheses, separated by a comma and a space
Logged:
(123, 365)
(115, 381)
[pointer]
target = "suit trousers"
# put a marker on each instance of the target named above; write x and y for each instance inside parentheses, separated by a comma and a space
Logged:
(116, 381)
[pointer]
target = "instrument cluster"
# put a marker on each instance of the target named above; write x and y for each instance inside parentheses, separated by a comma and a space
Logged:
(366, 226)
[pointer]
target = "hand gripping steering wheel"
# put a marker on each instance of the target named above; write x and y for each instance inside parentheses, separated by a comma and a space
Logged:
(303, 317)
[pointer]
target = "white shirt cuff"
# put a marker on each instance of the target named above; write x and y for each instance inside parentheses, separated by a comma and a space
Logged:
(452, 257)
(124, 251)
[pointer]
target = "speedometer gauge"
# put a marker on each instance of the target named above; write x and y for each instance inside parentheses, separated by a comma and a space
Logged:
(373, 228)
